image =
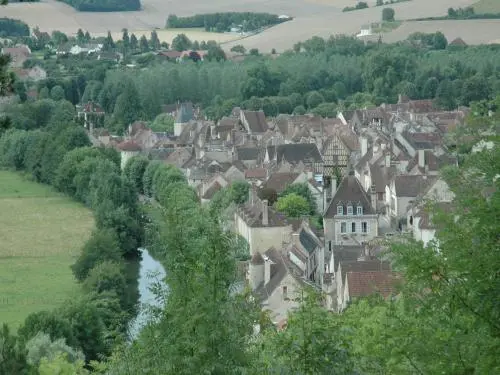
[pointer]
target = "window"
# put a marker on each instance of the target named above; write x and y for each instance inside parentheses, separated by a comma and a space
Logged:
(353, 227)
(349, 210)
(285, 292)
(329, 245)
(364, 227)
(360, 210)
(340, 210)
(343, 227)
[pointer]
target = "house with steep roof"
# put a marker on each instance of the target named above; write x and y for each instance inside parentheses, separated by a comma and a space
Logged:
(275, 286)
(261, 225)
(184, 115)
(350, 218)
(403, 190)
(371, 264)
(359, 284)
(128, 149)
(420, 221)
(250, 156)
(279, 181)
(254, 122)
(427, 162)
(295, 157)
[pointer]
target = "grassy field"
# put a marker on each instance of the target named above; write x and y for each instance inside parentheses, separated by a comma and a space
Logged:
(41, 233)
(487, 6)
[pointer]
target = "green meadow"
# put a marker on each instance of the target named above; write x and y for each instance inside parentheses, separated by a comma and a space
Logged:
(41, 234)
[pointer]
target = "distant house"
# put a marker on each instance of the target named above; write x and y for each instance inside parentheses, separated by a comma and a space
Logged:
(295, 156)
(420, 221)
(170, 55)
(128, 149)
(34, 74)
(254, 122)
(457, 42)
(92, 114)
(18, 55)
(350, 218)
(279, 181)
(184, 116)
(261, 225)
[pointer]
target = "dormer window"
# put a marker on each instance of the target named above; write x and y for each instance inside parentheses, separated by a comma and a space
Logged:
(359, 210)
(340, 210)
(349, 210)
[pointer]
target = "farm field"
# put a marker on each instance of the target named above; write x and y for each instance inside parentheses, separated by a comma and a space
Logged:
(41, 233)
(487, 6)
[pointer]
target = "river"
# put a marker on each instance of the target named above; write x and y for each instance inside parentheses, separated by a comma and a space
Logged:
(150, 273)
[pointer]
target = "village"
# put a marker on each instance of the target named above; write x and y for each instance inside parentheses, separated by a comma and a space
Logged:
(372, 173)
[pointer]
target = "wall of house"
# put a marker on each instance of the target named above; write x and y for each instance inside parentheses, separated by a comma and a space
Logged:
(278, 304)
(440, 192)
(234, 174)
(402, 204)
(126, 155)
(295, 260)
(333, 229)
(260, 239)
(178, 126)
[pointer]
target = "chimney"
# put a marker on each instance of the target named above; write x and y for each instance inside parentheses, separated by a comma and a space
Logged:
(421, 158)
(267, 269)
(251, 195)
(373, 196)
(388, 160)
(296, 239)
(364, 146)
(334, 186)
(265, 213)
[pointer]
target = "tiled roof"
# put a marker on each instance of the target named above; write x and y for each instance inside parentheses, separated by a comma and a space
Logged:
(247, 153)
(280, 180)
(350, 192)
(412, 186)
(210, 192)
(259, 173)
(130, 146)
(257, 259)
(363, 266)
(278, 273)
(346, 254)
(295, 153)
(256, 121)
(365, 283)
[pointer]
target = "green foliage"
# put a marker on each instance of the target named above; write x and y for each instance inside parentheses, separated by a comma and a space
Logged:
(268, 194)
(163, 123)
(12, 354)
(147, 179)
(238, 49)
(13, 28)
(107, 277)
(60, 365)
(236, 193)
(303, 190)
(134, 171)
(57, 93)
(51, 323)
(359, 5)
(181, 43)
(41, 346)
(101, 247)
(104, 5)
(222, 22)
(293, 205)
(388, 15)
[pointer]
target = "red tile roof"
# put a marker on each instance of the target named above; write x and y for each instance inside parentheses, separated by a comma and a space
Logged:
(365, 283)
(260, 173)
(130, 146)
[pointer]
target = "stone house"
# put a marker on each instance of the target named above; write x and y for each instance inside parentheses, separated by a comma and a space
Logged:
(254, 122)
(275, 286)
(350, 218)
(128, 149)
(185, 114)
(420, 222)
(295, 157)
(261, 225)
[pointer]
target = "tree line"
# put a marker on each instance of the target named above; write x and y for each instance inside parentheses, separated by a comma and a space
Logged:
(104, 5)
(11, 27)
(221, 22)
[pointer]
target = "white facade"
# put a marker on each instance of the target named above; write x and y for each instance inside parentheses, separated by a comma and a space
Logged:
(339, 230)
(126, 156)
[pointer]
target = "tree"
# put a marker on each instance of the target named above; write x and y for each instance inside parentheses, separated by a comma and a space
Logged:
(143, 44)
(57, 93)
(238, 49)
(293, 205)
(107, 277)
(128, 106)
(60, 365)
(155, 41)
(314, 99)
(303, 190)
(299, 110)
(253, 52)
(87, 36)
(380, 3)
(134, 171)
(216, 53)
(80, 36)
(149, 173)
(12, 354)
(42, 346)
(134, 44)
(102, 246)
(109, 44)
(125, 40)
(388, 14)
(181, 43)
(59, 38)
(268, 194)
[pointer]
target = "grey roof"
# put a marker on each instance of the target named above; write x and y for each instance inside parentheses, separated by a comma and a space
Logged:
(278, 273)
(247, 153)
(279, 181)
(381, 177)
(350, 192)
(412, 186)
(256, 121)
(346, 253)
(307, 241)
(185, 113)
(295, 153)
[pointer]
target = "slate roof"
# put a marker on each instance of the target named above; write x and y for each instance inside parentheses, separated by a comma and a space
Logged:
(307, 241)
(256, 121)
(346, 254)
(228, 121)
(412, 186)
(280, 180)
(365, 283)
(259, 173)
(295, 153)
(350, 192)
(185, 113)
(278, 273)
(435, 163)
(381, 177)
(457, 42)
(247, 153)
(210, 192)
(257, 259)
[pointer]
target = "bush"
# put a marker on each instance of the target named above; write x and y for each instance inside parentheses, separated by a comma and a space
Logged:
(104, 5)
(388, 14)
(15, 28)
